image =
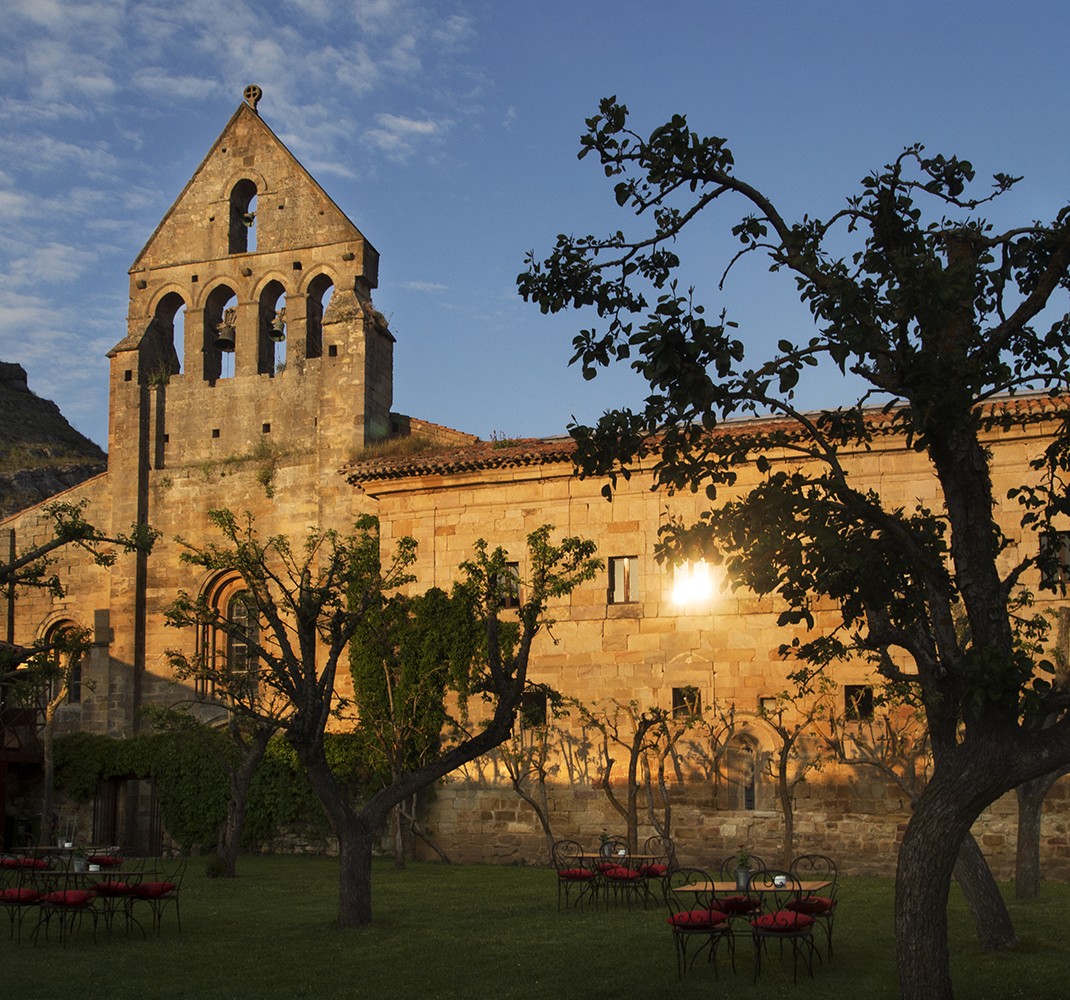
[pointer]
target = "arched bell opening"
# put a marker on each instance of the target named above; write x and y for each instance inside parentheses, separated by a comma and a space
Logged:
(242, 232)
(170, 327)
(220, 333)
(271, 340)
(320, 291)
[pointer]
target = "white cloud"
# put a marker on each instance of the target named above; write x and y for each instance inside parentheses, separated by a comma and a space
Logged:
(163, 83)
(397, 135)
(425, 286)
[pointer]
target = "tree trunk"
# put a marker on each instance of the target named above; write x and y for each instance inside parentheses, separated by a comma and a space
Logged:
(1030, 797)
(541, 809)
(995, 931)
(355, 844)
(922, 880)
(48, 791)
(241, 779)
(787, 806)
(399, 837)
(354, 834)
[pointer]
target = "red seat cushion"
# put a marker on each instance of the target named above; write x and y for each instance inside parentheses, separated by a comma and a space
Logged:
(9, 862)
(68, 897)
(654, 871)
(23, 894)
(622, 874)
(697, 919)
(104, 860)
(786, 921)
(576, 874)
(152, 890)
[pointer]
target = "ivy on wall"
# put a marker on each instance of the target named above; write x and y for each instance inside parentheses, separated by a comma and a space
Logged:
(190, 771)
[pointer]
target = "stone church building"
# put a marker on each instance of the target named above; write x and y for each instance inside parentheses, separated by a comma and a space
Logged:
(256, 374)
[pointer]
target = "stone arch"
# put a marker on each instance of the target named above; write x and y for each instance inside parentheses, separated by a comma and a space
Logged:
(317, 300)
(271, 328)
(220, 324)
(241, 231)
(169, 323)
(744, 757)
(222, 653)
(66, 668)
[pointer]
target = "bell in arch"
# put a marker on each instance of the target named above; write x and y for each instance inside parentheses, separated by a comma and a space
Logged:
(224, 338)
(278, 326)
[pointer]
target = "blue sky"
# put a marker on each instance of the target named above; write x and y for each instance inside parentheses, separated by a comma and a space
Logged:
(448, 133)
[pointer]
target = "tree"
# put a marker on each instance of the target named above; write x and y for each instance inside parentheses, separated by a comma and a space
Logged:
(400, 661)
(938, 315)
(646, 736)
(312, 601)
(793, 719)
(529, 756)
(66, 524)
(894, 740)
(51, 664)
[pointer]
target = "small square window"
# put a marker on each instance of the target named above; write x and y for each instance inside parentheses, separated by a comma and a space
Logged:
(128, 375)
(332, 350)
(215, 432)
(686, 702)
(1054, 560)
(265, 428)
(623, 579)
(857, 702)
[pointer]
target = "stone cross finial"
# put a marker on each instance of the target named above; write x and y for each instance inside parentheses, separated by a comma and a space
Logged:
(252, 95)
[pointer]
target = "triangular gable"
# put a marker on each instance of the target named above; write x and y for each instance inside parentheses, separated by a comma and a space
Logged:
(286, 193)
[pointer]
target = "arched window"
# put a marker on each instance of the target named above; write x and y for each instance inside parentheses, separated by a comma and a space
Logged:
(241, 663)
(171, 327)
(271, 352)
(742, 773)
(220, 333)
(320, 290)
(65, 674)
(242, 237)
(227, 654)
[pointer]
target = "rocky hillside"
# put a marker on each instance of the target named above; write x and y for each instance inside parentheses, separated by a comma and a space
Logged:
(40, 453)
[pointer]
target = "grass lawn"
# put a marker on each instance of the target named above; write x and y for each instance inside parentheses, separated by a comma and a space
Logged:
(478, 931)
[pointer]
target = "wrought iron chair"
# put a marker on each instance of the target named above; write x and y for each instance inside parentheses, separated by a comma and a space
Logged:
(17, 892)
(573, 874)
(694, 916)
(778, 922)
(660, 860)
(158, 895)
(741, 902)
(819, 905)
(618, 875)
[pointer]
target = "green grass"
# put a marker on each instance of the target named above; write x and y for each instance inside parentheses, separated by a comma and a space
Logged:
(478, 931)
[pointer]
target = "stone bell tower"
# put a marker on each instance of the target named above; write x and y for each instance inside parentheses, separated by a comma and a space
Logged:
(251, 322)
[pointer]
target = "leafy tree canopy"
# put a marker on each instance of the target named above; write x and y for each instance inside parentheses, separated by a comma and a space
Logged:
(941, 317)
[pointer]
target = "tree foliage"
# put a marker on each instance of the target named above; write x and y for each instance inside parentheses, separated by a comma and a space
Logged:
(33, 567)
(941, 317)
(313, 600)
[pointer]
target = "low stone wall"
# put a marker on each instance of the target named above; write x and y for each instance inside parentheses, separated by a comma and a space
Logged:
(491, 824)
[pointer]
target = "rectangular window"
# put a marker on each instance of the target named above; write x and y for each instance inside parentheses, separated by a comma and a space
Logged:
(857, 702)
(509, 586)
(533, 708)
(686, 702)
(1054, 560)
(623, 579)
